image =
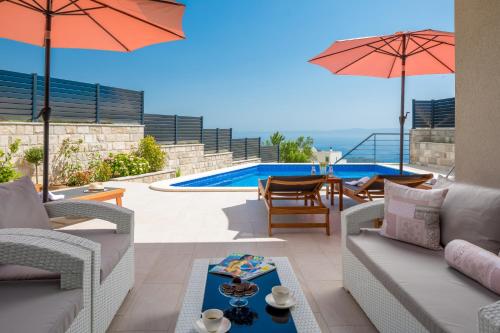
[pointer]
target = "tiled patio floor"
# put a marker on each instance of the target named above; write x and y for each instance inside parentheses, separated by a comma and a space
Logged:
(172, 229)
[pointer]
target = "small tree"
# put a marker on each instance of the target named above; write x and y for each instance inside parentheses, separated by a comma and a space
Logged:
(297, 151)
(34, 156)
(275, 139)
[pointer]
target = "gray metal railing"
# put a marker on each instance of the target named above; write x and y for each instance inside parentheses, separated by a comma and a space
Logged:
(378, 148)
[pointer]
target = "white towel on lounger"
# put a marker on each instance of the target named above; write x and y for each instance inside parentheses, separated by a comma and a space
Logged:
(359, 182)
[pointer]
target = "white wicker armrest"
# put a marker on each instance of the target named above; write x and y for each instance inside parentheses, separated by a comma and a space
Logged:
(122, 217)
(54, 235)
(71, 261)
(489, 318)
(354, 218)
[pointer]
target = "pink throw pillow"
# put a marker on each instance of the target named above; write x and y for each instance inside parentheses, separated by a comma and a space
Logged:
(475, 262)
(412, 215)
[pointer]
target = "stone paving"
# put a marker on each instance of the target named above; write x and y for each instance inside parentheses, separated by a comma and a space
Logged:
(172, 229)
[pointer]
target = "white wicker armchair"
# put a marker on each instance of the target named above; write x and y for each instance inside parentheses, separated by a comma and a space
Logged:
(382, 307)
(107, 294)
(72, 262)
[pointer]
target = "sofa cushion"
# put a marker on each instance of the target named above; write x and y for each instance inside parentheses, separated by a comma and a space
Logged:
(21, 207)
(38, 306)
(412, 215)
(441, 298)
(472, 213)
(113, 246)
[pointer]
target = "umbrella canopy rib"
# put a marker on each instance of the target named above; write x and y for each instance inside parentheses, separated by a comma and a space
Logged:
(25, 5)
(139, 19)
(389, 44)
(103, 28)
(432, 55)
(394, 61)
(346, 50)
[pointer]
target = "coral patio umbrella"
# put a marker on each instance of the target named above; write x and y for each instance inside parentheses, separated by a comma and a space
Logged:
(398, 55)
(114, 25)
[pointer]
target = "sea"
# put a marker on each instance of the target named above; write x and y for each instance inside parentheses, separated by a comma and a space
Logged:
(342, 140)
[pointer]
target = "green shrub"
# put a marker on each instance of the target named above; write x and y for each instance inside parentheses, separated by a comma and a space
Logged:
(151, 152)
(292, 151)
(100, 170)
(79, 178)
(34, 156)
(7, 170)
(123, 165)
(296, 151)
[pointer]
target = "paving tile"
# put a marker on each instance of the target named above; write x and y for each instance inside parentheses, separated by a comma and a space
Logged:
(336, 305)
(173, 229)
(154, 308)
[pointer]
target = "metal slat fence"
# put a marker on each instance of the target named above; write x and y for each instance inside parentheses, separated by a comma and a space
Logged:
(21, 99)
(269, 154)
(244, 149)
(168, 129)
(434, 113)
(217, 140)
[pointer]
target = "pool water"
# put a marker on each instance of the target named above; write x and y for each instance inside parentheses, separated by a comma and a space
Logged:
(248, 177)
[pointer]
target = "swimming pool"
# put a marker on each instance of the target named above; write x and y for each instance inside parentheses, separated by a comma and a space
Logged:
(247, 177)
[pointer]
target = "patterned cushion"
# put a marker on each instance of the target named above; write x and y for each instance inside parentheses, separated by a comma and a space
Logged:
(412, 215)
(475, 262)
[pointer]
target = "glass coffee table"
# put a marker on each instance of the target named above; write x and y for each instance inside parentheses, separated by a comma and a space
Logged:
(203, 293)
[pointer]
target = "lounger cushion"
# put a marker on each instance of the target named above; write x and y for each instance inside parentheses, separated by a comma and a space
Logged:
(441, 298)
(472, 213)
(21, 207)
(37, 306)
(113, 246)
(292, 188)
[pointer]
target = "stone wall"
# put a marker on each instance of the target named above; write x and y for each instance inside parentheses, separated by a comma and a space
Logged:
(191, 158)
(111, 138)
(433, 147)
(102, 138)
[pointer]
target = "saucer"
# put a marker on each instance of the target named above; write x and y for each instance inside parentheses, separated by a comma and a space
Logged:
(224, 327)
(291, 302)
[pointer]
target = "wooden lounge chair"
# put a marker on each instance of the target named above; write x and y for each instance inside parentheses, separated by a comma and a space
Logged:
(288, 188)
(374, 188)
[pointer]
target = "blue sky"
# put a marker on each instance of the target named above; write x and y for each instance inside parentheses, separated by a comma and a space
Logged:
(244, 64)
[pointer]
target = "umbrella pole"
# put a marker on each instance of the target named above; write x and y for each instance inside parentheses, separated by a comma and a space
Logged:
(46, 107)
(402, 115)
(402, 118)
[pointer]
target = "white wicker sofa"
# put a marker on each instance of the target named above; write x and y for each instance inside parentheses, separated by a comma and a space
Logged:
(112, 252)
(45, 306)
(406, 288)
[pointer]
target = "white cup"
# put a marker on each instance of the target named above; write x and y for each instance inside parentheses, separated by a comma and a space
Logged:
(212, 319)
(280, 294)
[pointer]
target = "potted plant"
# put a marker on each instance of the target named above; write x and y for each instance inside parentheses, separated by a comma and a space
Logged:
(34, 156)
